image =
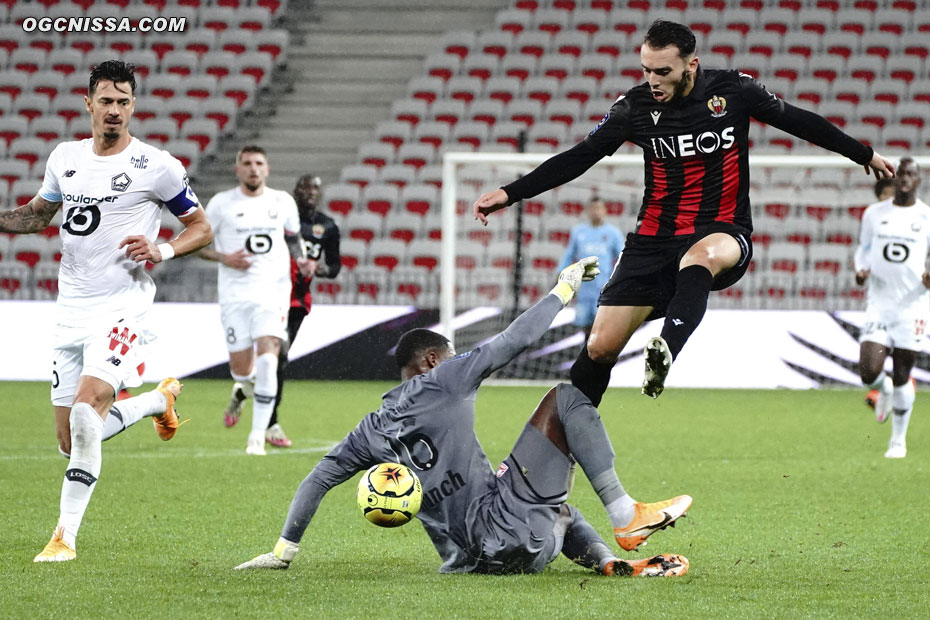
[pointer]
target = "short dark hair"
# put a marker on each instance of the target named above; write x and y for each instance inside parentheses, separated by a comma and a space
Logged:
(663, 33)
(115, 71)
(250, 148)
(415, 343)
(881, 185)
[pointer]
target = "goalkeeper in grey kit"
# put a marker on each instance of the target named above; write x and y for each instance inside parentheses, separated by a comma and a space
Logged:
(512, 521)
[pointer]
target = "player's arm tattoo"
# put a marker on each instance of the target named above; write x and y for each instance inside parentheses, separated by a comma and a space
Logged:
(29, 218)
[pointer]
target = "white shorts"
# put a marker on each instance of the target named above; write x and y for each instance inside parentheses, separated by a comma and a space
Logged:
(903, 333)
(111, 352)
(245, 321)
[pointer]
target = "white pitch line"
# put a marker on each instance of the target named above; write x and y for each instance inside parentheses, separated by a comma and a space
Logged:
(197, 454)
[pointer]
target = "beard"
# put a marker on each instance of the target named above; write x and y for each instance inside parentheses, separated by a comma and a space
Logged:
(686, 80)
(252, 186)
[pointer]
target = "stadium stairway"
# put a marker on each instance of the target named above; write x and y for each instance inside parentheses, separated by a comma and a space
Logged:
(348, 61)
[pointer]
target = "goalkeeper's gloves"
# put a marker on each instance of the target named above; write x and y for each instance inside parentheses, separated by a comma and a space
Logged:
(572, 276)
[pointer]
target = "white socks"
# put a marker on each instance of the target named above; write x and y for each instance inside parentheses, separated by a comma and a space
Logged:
(879, 381)
(903, 404)
(83, 469)
(621, 511)
(266, 388)
(125, 413)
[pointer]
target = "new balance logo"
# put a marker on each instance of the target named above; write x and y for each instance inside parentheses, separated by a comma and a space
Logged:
(114, 360)
(69, 173)
(678, 322)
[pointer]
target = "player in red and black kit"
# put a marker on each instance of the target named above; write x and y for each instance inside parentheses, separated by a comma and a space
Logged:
(694, 225)
(321, 238)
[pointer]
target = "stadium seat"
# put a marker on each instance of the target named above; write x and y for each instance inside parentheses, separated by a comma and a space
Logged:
(573, 200)
(579, 88)
(29, 150)
(469, 255)
(188, 153)
(24, 190)
(458, 42)
(404, 226)
(50, 128)
(851, 90)
(398, 175)
(442, 65)
(512, 21)
(252, 19)
(419, 198)
(256, 66)
(27, 59)
(387, 253)
(380, 198)
(913, 113)
(222, 111)
(181, 63)
(501, 89)
(547, 133)
(409, 110)
(393, 132)
(556, 66)
(218, 63)
(825, 259)
(565, 111)
(596, 66)
(464, 88)
(377, 154)
(571, 43)
(359, 175)
(496, 42)
(341, 198)
(239, 88)
(47, 83)
(518, 66)
(424, 253)
(272, 42)
(473, 134)
(525, 111)
(481, 66)
(218, 18)
(13, 127)
(203, 132)
(363, 225)
(418, 155)
(542, 89)
(352, 253)
(14, 83)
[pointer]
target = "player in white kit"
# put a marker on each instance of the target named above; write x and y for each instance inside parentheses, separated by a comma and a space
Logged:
(111, 188)
(893, 245)
(257, 232)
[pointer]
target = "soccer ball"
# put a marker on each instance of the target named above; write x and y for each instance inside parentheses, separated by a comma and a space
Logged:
(389, 494)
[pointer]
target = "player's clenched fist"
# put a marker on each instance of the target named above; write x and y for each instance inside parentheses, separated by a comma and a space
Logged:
(489, 203)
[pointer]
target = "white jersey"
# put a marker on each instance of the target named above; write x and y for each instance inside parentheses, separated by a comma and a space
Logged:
(256, 224)
(893, 245)
(104, 200)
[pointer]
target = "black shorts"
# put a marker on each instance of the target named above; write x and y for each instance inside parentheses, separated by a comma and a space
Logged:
(648, 268)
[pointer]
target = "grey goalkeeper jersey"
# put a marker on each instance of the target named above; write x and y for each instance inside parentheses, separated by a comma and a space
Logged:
(428, 424)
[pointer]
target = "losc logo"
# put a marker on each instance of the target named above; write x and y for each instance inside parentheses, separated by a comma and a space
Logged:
(120, 182)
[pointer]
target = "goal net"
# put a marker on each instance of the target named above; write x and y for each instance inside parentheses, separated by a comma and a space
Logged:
(806, 212)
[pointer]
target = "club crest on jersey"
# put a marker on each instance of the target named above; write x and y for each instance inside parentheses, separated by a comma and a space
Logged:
(717, 106)
(318, 230)
(120, 182)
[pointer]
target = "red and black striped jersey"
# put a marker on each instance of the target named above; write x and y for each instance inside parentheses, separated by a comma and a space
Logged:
(320, 236)
(695, 150)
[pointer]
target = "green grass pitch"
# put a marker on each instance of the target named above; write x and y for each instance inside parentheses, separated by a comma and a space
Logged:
(796, 514)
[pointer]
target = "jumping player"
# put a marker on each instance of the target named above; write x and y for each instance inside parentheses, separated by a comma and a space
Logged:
(893, 245)
(112, 188)
(516, 521)
(693, 232)
(256, 231)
